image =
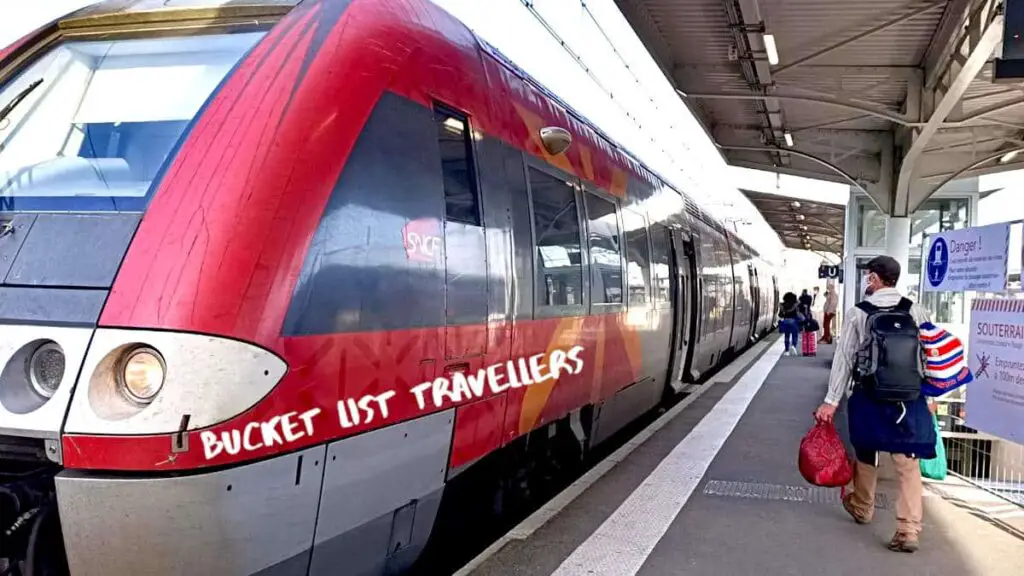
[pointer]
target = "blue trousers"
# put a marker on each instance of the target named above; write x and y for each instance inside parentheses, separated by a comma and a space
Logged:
(791, 332)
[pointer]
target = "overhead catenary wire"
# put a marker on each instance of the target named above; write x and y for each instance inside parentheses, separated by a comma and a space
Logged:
(529, 4)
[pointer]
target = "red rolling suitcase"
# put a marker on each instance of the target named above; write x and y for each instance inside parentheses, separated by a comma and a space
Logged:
(809, 343)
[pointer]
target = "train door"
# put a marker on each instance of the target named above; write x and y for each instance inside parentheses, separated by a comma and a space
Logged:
(755, 300)
(464, 246)
(775, 300)
(684, 293)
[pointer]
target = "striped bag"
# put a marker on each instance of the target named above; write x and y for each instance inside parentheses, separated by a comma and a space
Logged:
(945, 367)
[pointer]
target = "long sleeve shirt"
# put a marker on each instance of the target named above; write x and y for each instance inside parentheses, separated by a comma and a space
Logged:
(831, 303)
(854, 336)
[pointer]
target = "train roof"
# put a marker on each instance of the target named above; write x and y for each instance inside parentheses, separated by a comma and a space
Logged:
(145, 13)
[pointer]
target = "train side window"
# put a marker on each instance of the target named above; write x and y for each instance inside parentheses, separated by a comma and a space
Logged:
(556, 228)
(461, 195)
(377, 258)
(711, 278)
(660, 264)
(605, 247)
(638, 258)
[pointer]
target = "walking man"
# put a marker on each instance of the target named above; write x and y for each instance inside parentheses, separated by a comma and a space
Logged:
(829, 313)
(886, 410)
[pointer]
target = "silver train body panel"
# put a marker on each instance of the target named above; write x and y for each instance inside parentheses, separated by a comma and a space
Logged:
(362, 505)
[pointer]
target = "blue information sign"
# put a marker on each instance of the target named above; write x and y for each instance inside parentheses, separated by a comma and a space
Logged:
(938, 262)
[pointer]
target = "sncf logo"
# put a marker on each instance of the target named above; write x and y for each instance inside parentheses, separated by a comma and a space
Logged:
(422, 239)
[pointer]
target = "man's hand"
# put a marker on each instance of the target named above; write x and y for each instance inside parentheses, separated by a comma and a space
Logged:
(825, 412)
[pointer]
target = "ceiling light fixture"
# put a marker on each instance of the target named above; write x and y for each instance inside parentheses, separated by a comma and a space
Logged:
(789, 139)
(1009, 156)
(770, 48)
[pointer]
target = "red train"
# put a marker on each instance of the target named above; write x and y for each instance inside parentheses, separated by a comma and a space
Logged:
(275, 272)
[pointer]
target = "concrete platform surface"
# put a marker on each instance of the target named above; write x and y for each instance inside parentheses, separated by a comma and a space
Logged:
(715, 490)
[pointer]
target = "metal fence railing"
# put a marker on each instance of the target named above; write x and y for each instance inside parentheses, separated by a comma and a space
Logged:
(992, 463)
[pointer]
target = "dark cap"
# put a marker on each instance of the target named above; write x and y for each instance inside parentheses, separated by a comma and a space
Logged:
(886, 268)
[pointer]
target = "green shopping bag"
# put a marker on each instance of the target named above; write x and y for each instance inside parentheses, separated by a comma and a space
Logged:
(936, 467)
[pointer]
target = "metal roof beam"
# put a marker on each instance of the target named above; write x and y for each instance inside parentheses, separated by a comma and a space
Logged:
(831, 123)
(841, 71)
(972, 168)
(973, 142)
(864, 168)
(816, 136)
(978, 168)
(818, 70)
(928, 6)
(813, 131)
(979, 55)
(871, 110)
(989, 110)
(945, 41)
(824, 174)
(771, 149)
(805, 225)
(946, 177)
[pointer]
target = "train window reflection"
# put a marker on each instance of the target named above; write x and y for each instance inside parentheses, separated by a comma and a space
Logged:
(460, 190)
(605, 251)
(660, 263)
(638, 258)
(557, 229)
(105, 117)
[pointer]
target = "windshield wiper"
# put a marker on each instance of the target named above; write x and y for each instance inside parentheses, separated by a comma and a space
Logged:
(6, 110)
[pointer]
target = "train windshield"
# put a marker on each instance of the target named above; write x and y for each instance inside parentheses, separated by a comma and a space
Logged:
(88, 126)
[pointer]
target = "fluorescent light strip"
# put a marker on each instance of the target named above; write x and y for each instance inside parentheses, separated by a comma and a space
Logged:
(769, 46)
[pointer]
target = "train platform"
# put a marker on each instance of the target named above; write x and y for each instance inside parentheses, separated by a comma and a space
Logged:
(712, 488)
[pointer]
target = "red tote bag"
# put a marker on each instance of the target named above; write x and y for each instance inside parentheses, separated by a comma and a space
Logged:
(823, 460)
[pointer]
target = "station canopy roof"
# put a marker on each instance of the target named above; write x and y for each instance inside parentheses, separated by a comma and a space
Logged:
(895, 97)
(802, 224)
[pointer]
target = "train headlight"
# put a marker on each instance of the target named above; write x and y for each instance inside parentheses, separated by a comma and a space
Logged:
(46, 369)
(142, 374)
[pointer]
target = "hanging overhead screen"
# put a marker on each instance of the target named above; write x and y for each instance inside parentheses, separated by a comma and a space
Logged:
(1010, 68)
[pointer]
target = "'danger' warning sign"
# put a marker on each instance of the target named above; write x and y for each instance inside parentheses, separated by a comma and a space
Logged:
(969, 259)
(995, 400)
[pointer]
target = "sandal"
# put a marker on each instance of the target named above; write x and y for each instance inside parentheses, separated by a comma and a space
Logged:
(903, 542)
(857, 516)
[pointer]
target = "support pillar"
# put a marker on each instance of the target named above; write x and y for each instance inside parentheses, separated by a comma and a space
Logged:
(897, 245)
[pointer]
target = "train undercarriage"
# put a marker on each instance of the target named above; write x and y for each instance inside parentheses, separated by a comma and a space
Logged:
(31, 543)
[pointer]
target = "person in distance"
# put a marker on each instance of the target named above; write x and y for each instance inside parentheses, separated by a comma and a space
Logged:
(829, 313)
(789, 322)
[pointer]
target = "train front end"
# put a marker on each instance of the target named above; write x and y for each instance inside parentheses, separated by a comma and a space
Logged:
(94, 110)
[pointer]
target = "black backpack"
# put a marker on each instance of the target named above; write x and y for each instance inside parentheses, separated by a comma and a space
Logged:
(888, 366)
